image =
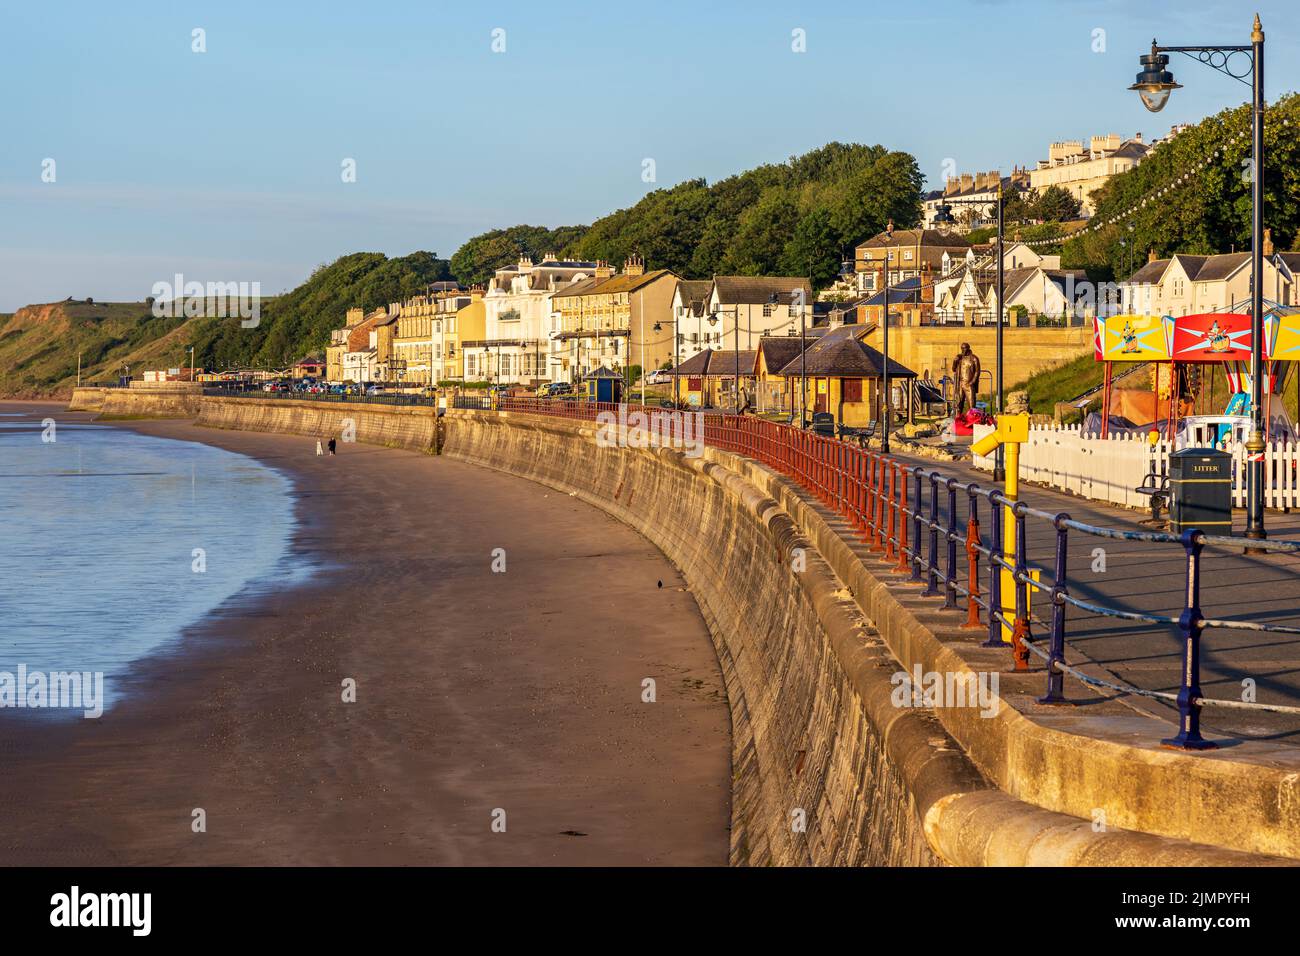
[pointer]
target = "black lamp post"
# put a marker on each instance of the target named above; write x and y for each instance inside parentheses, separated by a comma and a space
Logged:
(1154, 84)
(884, 344)
(944, 215)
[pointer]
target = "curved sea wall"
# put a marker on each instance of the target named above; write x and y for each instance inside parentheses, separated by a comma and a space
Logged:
(157, 401)
(812, 637)
(414, 427)
(827, 769)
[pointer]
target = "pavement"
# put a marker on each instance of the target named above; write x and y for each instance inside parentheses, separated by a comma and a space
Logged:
(1151, 578)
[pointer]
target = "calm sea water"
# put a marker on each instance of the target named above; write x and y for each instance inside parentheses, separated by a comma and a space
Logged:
(101, 532)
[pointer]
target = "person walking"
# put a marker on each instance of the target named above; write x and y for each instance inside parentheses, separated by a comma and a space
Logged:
(331, 446)
(320, 449)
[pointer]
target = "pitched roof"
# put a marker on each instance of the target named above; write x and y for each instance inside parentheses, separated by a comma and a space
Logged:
(694, 292)
(582, 287)
(1218, 267)
(910, 237)
(726, 361)
(602, 372)
(778, 351)
(697, 364)
(1151, 272)
(757, 290)
(845, 356)
(719, 362)
(905, 291)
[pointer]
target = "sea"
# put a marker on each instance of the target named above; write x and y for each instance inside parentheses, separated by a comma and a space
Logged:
(112, 543)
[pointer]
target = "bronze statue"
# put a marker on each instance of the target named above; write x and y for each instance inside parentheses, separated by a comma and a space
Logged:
(966, 369)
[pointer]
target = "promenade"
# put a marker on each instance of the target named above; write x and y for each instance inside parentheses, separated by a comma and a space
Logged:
(1148, 577)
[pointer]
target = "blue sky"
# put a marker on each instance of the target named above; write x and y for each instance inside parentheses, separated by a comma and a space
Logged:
(225, 165)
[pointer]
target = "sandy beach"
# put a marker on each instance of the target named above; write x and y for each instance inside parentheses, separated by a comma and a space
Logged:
(476, 692)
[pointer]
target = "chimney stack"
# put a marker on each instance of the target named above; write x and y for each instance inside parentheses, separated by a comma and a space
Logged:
(634, 265)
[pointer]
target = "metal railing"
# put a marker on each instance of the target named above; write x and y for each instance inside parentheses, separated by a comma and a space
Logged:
(895, 508)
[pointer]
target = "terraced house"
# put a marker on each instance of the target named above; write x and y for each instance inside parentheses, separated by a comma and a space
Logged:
(425, 349)
(615, 321)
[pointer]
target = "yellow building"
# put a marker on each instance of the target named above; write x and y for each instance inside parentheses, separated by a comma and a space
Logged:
(339, 345)
(1081, 170)
(844, 377)
(469, 324)
(609, 320)
(425, 346)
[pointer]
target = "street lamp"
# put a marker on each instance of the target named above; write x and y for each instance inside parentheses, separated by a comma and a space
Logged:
(944, 215)
(1154, 84)
(884, 343)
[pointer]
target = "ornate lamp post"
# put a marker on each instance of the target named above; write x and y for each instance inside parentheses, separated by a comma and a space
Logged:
(1244, 63)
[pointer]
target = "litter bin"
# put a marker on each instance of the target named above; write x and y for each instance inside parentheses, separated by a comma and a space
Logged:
(1200, 483)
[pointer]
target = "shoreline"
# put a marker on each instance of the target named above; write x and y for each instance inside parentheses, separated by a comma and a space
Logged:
(474, 692)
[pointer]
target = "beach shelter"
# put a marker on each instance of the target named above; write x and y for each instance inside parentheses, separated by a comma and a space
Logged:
(604, 385)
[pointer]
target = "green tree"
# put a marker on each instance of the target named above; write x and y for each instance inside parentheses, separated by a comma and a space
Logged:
(1055, 204)
(813, 250)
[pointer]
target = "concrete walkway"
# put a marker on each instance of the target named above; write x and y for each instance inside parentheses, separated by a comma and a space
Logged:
(1150, 578)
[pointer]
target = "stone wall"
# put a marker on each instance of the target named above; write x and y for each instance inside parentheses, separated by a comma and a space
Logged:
(395, 426)
(815, 734)
(156, 401)
(826, 769)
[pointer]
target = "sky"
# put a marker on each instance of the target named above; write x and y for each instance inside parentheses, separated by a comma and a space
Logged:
(228, 164)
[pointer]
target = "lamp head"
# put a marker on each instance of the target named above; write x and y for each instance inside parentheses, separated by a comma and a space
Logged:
(1154, 83)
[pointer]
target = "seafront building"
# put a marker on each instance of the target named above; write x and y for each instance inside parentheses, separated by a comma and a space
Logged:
(613, 321)
(1082, 170)
(516, 345)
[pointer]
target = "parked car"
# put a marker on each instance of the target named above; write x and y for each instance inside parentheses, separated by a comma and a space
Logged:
(376, 390)
(660, 376)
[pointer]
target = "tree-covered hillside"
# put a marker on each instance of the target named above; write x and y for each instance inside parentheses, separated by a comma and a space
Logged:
(794, 218)
(300, 321)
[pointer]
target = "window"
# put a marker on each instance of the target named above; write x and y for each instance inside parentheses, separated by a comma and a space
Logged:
(907, 255)
(767, 311)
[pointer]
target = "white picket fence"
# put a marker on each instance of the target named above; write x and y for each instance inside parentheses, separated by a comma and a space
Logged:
(1112, 469)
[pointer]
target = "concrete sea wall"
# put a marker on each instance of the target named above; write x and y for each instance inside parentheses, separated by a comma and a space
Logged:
(827, 769)
(817, 738)
(395, 426)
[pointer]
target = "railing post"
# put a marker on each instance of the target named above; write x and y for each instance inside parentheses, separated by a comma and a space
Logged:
(1020, 630)
(882, 508)
(873, 507)
(902, 520)
(916, 536)
(995, 573)
(1056, 655)
(973, 558)
(950, 584)
(932, 572)
(891, 506)
(1189, 627)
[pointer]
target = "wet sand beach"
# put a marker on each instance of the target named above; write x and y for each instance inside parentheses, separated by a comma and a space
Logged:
(476, 692)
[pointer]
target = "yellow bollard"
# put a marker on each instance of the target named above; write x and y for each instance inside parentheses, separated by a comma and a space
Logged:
(1011, 431)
